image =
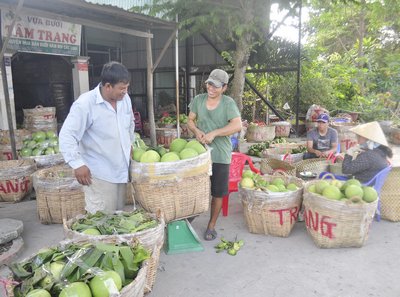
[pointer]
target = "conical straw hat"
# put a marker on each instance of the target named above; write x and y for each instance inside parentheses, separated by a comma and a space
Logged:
(371, 131)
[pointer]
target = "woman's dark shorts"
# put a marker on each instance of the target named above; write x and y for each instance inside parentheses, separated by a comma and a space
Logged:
(219, 179)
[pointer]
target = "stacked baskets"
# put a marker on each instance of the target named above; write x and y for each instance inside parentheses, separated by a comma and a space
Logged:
(180, 190)
(58, 194)
(256, 133)
(272, 213)
(390, 196)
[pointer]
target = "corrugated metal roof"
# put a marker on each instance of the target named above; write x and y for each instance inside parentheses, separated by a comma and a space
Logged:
(124, 4)
(85, 10)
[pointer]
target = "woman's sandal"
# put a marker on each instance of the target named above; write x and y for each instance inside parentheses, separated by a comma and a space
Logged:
(210, 235)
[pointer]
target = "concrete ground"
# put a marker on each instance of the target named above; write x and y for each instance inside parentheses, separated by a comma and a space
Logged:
(265, 266)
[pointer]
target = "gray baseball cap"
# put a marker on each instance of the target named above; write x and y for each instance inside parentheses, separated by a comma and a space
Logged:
(218, 78)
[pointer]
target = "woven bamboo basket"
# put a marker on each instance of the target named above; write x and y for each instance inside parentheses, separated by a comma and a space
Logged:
(270, 166)
(390, 196)
(314, 165)
(58, 194)
(272, 213)
(134, 289)
(336, 224)
(152, 239)
(280, 154)
(180, 189)
(20, 135)
(16, 179)
(45, 161)
(260, 133)
(346, 138)
(40, 119)
(282, 129)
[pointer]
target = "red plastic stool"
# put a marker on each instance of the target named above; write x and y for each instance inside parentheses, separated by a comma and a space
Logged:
(235, 175)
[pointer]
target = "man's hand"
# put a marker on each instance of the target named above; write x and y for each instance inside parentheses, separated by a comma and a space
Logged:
(200, 136)
(209, 137)
(83, 175)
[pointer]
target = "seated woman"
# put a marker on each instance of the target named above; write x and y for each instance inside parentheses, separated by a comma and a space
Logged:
(371, 154)
(322, 140)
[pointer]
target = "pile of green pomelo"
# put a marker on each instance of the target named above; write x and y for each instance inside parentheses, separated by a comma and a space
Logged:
(179, 149)
(41, 143)
(254, 181)
(351, 190)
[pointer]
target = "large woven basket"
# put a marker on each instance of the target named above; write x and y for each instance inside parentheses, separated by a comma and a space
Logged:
(16, 179)
(280, 154)
(282, 129)
(134, 289)
(58, 194)
(260, 133)
(390, 196)
(272, 213)
(180, 189)
(346, 138)
(44, 161)
(336, 224)
(270, 166)
(152, 239)
(313, 165)
(19, 135)
(40, 119)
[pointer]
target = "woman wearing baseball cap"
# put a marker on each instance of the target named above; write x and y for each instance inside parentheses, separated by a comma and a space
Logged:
(322, 140)
(371, 154)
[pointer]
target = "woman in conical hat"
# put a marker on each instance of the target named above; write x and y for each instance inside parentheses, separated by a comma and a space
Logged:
(371, 154)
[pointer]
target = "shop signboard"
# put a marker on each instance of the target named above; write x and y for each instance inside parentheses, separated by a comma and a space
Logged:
(37, 34)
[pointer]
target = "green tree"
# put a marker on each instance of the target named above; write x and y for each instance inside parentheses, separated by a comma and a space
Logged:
(244, 22)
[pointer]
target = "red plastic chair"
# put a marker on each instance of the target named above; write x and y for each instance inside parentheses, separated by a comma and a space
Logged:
(235, 175)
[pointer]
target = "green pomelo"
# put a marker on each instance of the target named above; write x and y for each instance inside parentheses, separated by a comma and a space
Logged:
(76, 289)
(247, 182)
(349, 182)
(247, 173)
(337, 183)
(370, 194)
(332, 192)
(38, 293)
(278, 181)
(91, 231)
(31, 144)
(26, 152)
(49, 151)
(137, 154)
(320, 186)
(150, 157)
(39, 136)
(142, 144)
(273, 188)
(354, 191)
(37, 152)
(192, 143)
(312, 189)
(53, 142)
(281, 188)
(170, 157)
(103, 284)
(161, 150)
(188, 153)
(51, 134)
(291, 187)
(177, 145)
(137, 136)
(199, 148)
